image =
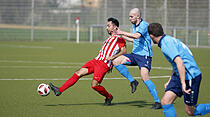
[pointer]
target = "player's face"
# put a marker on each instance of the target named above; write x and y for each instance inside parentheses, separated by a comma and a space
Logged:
(110, 27)
(133, 17)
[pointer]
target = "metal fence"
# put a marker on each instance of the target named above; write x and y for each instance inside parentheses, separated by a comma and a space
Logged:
(188, 20)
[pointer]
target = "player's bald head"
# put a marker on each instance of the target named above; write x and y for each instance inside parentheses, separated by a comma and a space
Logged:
(136, 11)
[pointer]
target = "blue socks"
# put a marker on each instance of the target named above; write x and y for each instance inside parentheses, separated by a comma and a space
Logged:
(152, 90)
(124, 71)
(169, 110)
(202, 109)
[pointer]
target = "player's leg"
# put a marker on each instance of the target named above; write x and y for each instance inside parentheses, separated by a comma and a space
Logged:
(100, 69)
(151, 87)
(200, 109)
(191, 99)
(86, 69)
(101, 90)
(166, 101)
(119, 63)
(70, 82)
(172, 91)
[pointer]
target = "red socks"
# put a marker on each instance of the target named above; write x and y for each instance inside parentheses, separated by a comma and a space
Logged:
(102, 91)
(71, 81)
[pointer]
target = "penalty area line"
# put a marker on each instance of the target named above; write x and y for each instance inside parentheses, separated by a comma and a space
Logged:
(34, 79)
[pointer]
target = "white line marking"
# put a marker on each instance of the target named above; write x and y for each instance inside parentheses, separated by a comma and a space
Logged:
(25, 46)
(151, 77)
(22, 61)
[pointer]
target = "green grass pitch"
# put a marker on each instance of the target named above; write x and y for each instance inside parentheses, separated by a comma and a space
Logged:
(49, 60)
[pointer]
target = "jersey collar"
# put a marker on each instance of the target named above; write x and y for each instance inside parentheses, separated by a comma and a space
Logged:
(159, 44)
(139, 23)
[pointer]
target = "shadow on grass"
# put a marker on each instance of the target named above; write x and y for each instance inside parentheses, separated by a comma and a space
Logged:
(139, 104)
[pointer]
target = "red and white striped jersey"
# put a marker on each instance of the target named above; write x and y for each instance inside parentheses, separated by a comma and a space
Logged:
(110, 47)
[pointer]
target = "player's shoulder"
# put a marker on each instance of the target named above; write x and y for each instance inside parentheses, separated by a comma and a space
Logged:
(121, 40)
(169, 39)
(117, 38)
(169, 42)
(144, 23)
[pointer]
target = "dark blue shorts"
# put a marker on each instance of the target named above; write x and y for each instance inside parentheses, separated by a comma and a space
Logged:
(176, 87)
(141, 61)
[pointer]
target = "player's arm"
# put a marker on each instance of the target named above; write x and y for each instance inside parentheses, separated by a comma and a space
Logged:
(181, 69)
(122, 51)
(127, 38)
(127, 34)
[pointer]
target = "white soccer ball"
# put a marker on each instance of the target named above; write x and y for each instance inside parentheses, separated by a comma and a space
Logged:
(43, 89)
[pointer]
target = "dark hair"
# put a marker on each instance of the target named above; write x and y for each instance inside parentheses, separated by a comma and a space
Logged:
(114, 21)
(155, 29)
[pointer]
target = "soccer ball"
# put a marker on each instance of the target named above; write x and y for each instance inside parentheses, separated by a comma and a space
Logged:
(43, 89)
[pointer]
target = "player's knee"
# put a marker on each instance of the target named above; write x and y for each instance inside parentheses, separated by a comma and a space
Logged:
(78, 73)
(119, 60)
(165, 102)
(144, 74)
(144, 77)
(115, 62)
(95, 84)
(81, 72)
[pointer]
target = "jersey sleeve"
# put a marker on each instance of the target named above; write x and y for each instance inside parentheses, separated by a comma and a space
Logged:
(121, 42)
(170, 50)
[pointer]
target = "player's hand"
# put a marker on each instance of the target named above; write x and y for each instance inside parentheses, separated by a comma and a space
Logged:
(109, 58)
(184, 89)
(165, 85)
(118, 31)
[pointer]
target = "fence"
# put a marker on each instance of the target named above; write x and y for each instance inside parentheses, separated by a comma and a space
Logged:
(188, 20)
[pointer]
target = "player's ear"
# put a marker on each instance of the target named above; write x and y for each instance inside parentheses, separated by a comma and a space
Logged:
(138, 16)
(151, 36)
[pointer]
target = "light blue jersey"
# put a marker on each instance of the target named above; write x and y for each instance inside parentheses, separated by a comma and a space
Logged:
(142, 46)
(172, 48)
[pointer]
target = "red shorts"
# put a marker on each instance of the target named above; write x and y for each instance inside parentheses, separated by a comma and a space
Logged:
(99, 68)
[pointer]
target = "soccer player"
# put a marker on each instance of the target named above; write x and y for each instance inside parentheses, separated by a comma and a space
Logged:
(112, 48)
(186, 76)
(141, 55)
